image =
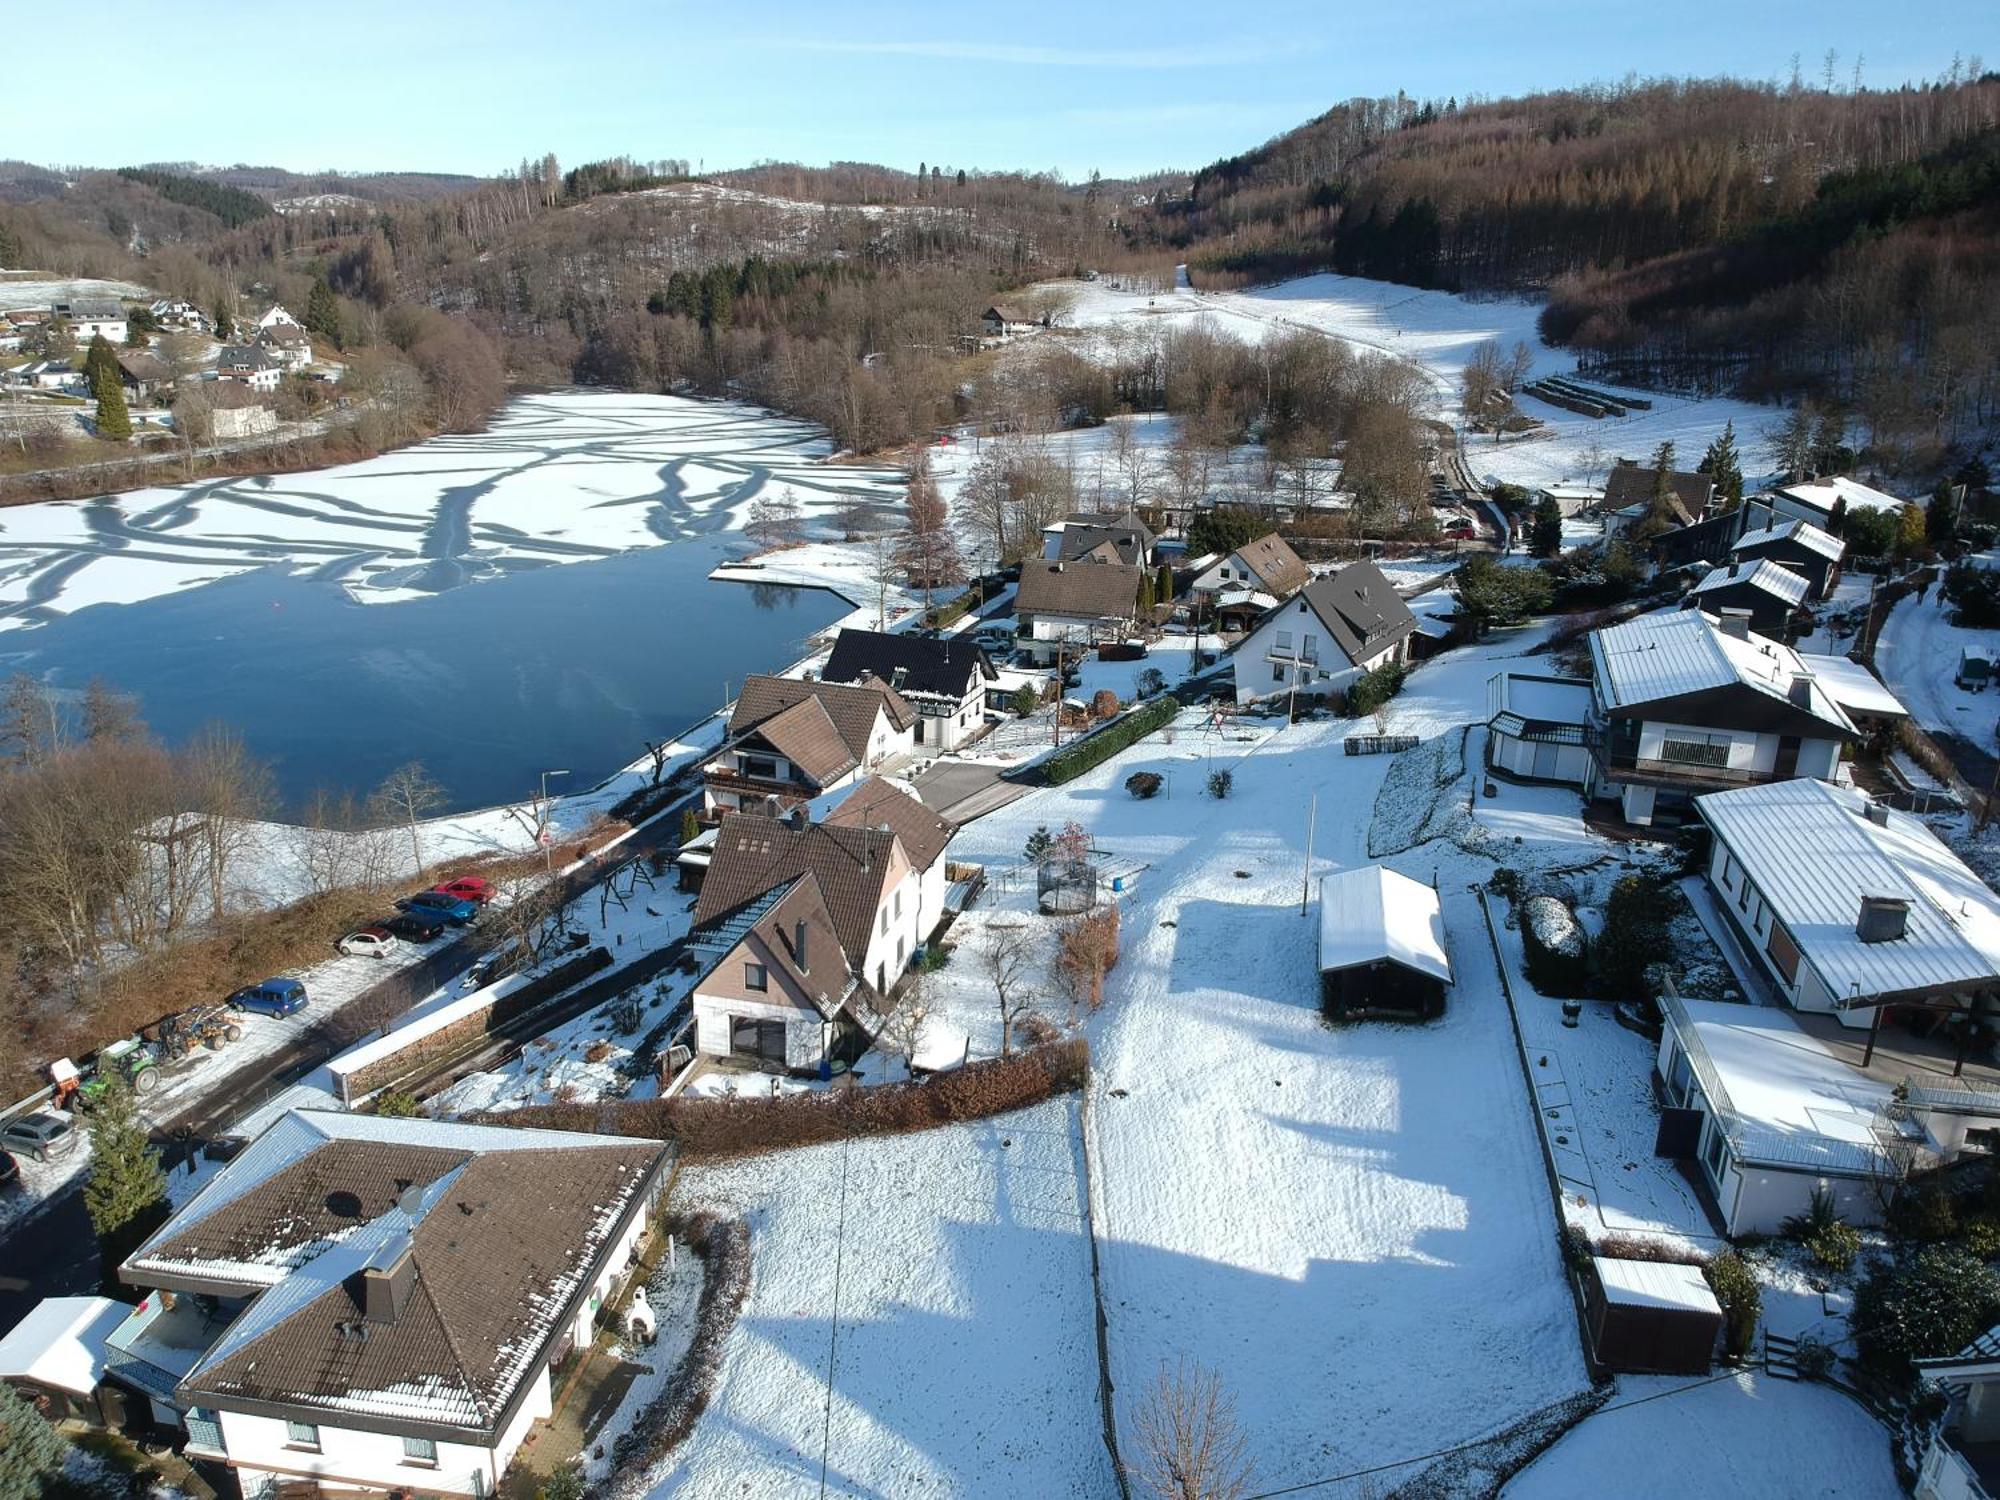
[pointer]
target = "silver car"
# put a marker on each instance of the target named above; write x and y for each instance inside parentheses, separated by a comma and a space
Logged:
(42, 1135)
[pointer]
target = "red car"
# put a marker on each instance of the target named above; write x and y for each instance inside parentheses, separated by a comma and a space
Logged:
(468, 888)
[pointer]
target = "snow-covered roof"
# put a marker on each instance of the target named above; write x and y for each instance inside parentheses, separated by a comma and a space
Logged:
(1564, 489)
(1374, 913)
(424, 1024)
(1670, 653)
(1652, 1283)
(1785, 1099)
(1763, 575)
(1807, 535)
(1813, 852)
(60, 1343)
(1854, 687)
(1547, 700)
(1821, 495)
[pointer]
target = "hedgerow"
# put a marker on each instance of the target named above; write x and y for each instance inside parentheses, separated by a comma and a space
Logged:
(1094, 749)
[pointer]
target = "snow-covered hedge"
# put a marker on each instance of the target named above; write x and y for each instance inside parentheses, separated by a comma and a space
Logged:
(1100, 745)
(1554, 925)
(1557, 956)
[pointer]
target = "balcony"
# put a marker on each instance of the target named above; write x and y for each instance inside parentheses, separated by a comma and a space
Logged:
(724, 778)
(1618, 760)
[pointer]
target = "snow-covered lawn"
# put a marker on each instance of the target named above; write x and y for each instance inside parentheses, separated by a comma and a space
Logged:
(1666, 1439)
(1917, 656)
(936, 1288)
(34, 291)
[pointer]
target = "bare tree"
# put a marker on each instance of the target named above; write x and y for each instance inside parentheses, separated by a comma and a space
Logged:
(1003, 956)
(903, 1029)
(1189, 1444)
(228, 791)
(774, 520)
(408, 795)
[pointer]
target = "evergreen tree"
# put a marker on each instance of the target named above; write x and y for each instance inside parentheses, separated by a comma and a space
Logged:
(10, 244)
(1545, 536)
(126, 1192)
(1941, 515)
(31, 1451)
(690, 826)
(323, 312)
(225, 326)
(1722, 464)
(100, 368)
(1146, 600)
(1910, 536)
(961, 177)
(1163, 586)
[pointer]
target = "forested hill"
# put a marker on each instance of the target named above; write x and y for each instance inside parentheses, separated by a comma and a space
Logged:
(1712, 233)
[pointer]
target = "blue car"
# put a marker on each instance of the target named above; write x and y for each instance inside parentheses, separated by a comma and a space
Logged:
(441, 906)
(270, 997)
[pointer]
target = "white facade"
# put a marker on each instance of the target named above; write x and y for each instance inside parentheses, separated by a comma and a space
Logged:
(1697, 750)
(1539, 760)
(113, 329)
(1292, 649)
(275, 315)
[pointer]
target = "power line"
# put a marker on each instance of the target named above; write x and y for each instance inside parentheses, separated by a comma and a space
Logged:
(1404, 1463)
(833, 1319)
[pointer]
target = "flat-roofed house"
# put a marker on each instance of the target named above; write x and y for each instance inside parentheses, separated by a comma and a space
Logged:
(1538, 726)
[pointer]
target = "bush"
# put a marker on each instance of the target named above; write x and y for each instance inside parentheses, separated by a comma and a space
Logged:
(1150, 683)
(1574, 1242)
(1925, 1214)
(1373, 689)
(1635, 936)
(1024, 700)
(1828, 1239)
(1644, 1247)
(935, 957)
(1221, 783)
(745, 1126)
(1814, 1359)
(1981, 1237)
(1103, 703)
(1742, 1303)
(1922, 1306)
(1100, 745)
(1144, 784)
(1558, 959)
(397, 1105)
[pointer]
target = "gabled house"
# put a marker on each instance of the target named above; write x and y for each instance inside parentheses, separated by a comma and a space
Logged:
(1630, 484)
(1099, 536)
(288, 344)
(1006, 318)
(1761, 591)
(88, 319)
(144, 375)
(177, 312)
(1572, 498)
(1064, 608)
(46, 375)
(248, 365)
(1683, 703)
(1326, 636)
(1799, 547)
(1266, 569)
(792, 738)
(944, 678)
(272, 317)
(374, 1305)
(870, 880)
(1821, 501)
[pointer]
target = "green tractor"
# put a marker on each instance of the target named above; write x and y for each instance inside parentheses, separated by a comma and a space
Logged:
(134, 1062)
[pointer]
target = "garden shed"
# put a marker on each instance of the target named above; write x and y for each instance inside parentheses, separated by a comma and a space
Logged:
(1650, 1318)
(1381, 946)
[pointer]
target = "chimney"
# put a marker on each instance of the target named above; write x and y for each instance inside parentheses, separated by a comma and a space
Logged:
(1883, 919)
(1878, 814)
(1801, 690)
(1736, 623)
(800, 817)
(382, 1289)
(809, 675)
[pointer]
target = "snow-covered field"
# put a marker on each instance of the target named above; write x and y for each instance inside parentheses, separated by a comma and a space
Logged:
(562, 477)
(34, 291)
(1439, 331)
(920, 1320)
(1918, 656)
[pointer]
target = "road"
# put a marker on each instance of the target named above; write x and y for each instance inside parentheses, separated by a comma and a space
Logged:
(960, 791)
(53, 1252)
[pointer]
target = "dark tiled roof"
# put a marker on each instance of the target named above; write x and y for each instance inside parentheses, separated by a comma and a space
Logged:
(942, 665)
(754, 852)
(875, 802)
(143, 366)
(1632, 484)
(240, 356)
(1360, 609)
(1278, 568)
(1085, 590)
(852, 707)
(805, 735)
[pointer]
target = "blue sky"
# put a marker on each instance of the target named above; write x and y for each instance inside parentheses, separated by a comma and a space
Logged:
(474, 85)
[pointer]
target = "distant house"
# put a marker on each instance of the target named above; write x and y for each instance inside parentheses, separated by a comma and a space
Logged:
(1819, 500)
(1800, 547)
(144, 375)
(89, 319)
(1267, 566)
(1572, 499)
(1538, 727)
(288, 344)
(273, 317)
(944, 678)
(1381, 946)
(46, 375)
(1064, 608)
(1683, 703)
(177, 312)
(1326, 636)
(791, 739)
(1093, 536)
(1004, 319)
(1632, 484)
(248, 365)
(376, 1304)
(1763, 592)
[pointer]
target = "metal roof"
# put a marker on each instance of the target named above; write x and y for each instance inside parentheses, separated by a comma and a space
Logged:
(1374, 913)
(1764, 575)
(1854, 687)
(1653, 1283)
(1804, 533)
(1668, 654)
(1813, 852)
(1821, 494)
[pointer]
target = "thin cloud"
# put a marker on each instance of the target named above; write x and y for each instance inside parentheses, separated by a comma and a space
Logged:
(1067, 57)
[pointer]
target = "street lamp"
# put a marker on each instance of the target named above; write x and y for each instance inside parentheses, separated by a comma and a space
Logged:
(548, 843)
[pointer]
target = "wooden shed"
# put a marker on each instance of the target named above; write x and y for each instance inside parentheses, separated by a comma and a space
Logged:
(1381, 947)
(1651, 1318)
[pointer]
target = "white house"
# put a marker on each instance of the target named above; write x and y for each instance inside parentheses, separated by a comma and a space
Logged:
(1683, 703)
(47, 375)
(177, 312)
(1570, 498)
(87, 320)
(792, 738)
(1538, 726)
(1266, 566)
(1004, 319)
(374, 1304)
(945, 679)
(271, 317)
(1326, 637)
(1846, 904)
(1817, 500)
(287, 344)
(1962, 1459)
(249, 365)
(1065, 608)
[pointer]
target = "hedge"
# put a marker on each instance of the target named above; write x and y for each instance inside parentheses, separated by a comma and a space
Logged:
(748, 1124)
(1376, 688)
(1094, 749)
(952, 610)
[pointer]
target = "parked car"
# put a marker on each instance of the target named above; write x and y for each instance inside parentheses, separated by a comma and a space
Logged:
(270, 997)
(10, 1171)
(453, 909)
(413, 927)
(370, 942)
(468, 888)
(44, 1135)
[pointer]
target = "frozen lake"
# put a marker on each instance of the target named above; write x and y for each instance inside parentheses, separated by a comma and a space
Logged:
(531, 597)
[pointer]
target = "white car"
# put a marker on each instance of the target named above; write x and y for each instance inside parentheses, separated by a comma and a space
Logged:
(369, 942)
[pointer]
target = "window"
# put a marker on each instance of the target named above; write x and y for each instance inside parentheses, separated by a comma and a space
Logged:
(899, 901)
(204, 1429)
(1309, 646)
(1717, 1155)
(1284, 642)
(302, 1435)
(755, 977)
(1728, 869)
(883, 924)
(420, 1451)
(1277, 674)
(1684, 748)
(1784, 953)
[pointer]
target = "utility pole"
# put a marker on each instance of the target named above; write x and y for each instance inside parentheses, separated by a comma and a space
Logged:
(1305, 884)
(542, 822)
